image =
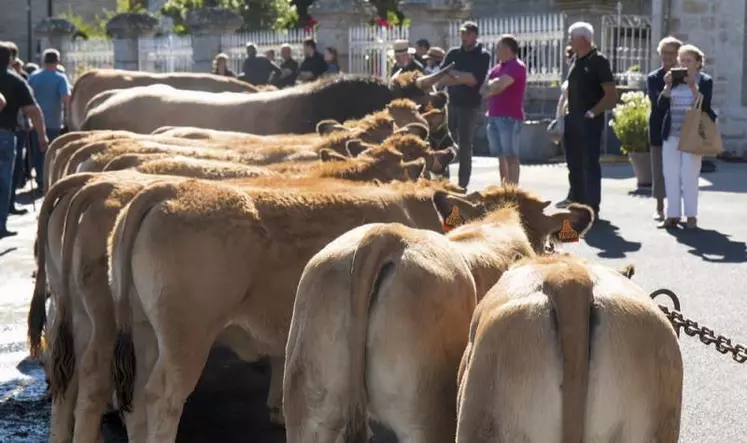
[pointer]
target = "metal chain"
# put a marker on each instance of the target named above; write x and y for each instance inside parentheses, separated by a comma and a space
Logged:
(693, 329)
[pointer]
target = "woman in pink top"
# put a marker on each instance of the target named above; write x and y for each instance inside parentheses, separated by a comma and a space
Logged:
(504, 92)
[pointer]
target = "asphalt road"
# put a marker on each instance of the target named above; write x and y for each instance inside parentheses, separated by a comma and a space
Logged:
(706, 268)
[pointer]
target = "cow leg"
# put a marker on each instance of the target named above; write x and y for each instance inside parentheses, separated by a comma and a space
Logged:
(174, 377)
(146, 353)
(275, 395)
(62, 421)
(95, 370)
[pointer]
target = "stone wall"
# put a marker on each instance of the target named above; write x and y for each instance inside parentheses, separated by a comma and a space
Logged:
(718, 28)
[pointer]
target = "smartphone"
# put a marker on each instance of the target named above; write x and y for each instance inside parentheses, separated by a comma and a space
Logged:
(678, 75)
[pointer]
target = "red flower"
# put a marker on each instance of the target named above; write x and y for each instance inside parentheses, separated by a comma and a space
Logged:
(383, 23)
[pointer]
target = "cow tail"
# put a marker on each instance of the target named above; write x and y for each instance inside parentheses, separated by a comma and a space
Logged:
(81, 155)
(62, 359)
(572, 303)
(37, 317)
(372, 262)
(121, 244)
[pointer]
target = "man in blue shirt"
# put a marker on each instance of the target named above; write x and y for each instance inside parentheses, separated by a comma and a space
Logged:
(52, 91)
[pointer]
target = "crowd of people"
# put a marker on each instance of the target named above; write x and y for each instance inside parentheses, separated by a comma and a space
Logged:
(34, 100)
(33, 103)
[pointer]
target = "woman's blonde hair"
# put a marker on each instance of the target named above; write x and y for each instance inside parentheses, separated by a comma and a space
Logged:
(694, 51)
(667, 41)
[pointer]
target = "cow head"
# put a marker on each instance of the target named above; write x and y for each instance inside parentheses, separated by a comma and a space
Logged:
(439, 135)
(416, 86)
(403, 112)
(417, 129)
(329, 155)
(564, 226)
(327, 127)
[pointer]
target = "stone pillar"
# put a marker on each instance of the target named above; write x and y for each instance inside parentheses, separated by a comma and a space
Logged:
(430, 19)
(56, 33)
(126, 28)
(334, 18)
(207, 25)
(658, 29)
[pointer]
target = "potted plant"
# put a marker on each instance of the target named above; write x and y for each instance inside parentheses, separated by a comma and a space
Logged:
(635, 78)
(630, 125)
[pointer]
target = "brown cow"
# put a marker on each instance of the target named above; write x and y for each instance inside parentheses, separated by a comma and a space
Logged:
(292, 110)
(257, 232)
(95, 81)
(564, 351)
(86, 320)
(382, 314)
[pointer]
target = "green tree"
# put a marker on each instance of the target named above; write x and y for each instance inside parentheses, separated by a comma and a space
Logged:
(96, 28)
(257, 14)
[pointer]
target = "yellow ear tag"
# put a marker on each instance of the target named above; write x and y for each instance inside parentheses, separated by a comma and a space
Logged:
(453, 220)
(567, 234)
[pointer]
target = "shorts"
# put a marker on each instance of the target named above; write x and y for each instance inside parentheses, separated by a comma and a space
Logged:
(503, 136)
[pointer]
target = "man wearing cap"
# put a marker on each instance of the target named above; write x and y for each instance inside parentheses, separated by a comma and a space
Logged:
(471, 64)
(404, 57)
(591, 92)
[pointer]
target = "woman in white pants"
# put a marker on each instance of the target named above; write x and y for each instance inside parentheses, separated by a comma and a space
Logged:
(681, 169)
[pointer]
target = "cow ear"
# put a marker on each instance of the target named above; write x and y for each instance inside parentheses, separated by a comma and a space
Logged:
(454, 211)
(569, 226)
(627, 271)
(326, 127)
(439, 160)
(435, 118)
(328, 155)
(414, 169)
(356, 147)
(417, 129)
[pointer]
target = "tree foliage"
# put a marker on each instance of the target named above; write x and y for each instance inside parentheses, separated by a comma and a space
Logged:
(257, 14)
(96, 28)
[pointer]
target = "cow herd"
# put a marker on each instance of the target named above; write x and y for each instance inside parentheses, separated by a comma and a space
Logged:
(310, 225)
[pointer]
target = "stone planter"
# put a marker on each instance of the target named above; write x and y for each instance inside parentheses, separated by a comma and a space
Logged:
(641, 162)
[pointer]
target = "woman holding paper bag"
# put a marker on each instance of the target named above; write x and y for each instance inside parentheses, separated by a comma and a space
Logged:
(684, 87)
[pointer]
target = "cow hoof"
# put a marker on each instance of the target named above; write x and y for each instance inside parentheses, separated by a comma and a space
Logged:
(276, 417)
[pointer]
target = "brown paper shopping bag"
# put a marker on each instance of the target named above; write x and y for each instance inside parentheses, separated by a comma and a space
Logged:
(699, 134)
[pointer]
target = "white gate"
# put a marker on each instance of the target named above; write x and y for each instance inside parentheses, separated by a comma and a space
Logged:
(371, 49)
(169, 53)
(541, 39)
(83, 55)
(626, 41)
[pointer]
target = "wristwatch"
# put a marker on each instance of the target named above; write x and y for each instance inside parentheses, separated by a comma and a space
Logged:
(589, 114)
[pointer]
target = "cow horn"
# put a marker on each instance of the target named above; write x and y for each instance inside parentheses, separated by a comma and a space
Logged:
(426, 82)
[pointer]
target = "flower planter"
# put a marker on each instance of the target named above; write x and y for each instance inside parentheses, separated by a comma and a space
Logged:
(641, 162)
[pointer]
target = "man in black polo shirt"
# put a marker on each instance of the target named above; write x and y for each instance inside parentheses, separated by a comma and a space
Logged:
(313, 65)
(591, 92)
(471, 63)
(17, 95)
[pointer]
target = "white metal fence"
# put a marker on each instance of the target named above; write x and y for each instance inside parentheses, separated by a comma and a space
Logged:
(626, 41)
(541, 39)
(170, 53)
(234, 45)
(370, 49)
(83, 55)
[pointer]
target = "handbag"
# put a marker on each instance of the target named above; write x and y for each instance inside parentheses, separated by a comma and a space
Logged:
(699, 134)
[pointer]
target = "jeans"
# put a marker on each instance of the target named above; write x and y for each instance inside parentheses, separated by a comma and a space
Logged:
(37, 157)
(462, 123)
(503, 136)
(681, 173)
(7, 162)
(19, 169)
(582, 139)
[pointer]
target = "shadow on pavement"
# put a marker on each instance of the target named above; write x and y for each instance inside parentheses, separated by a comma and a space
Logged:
(711, 246)
(603, 236)
(8, 251)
